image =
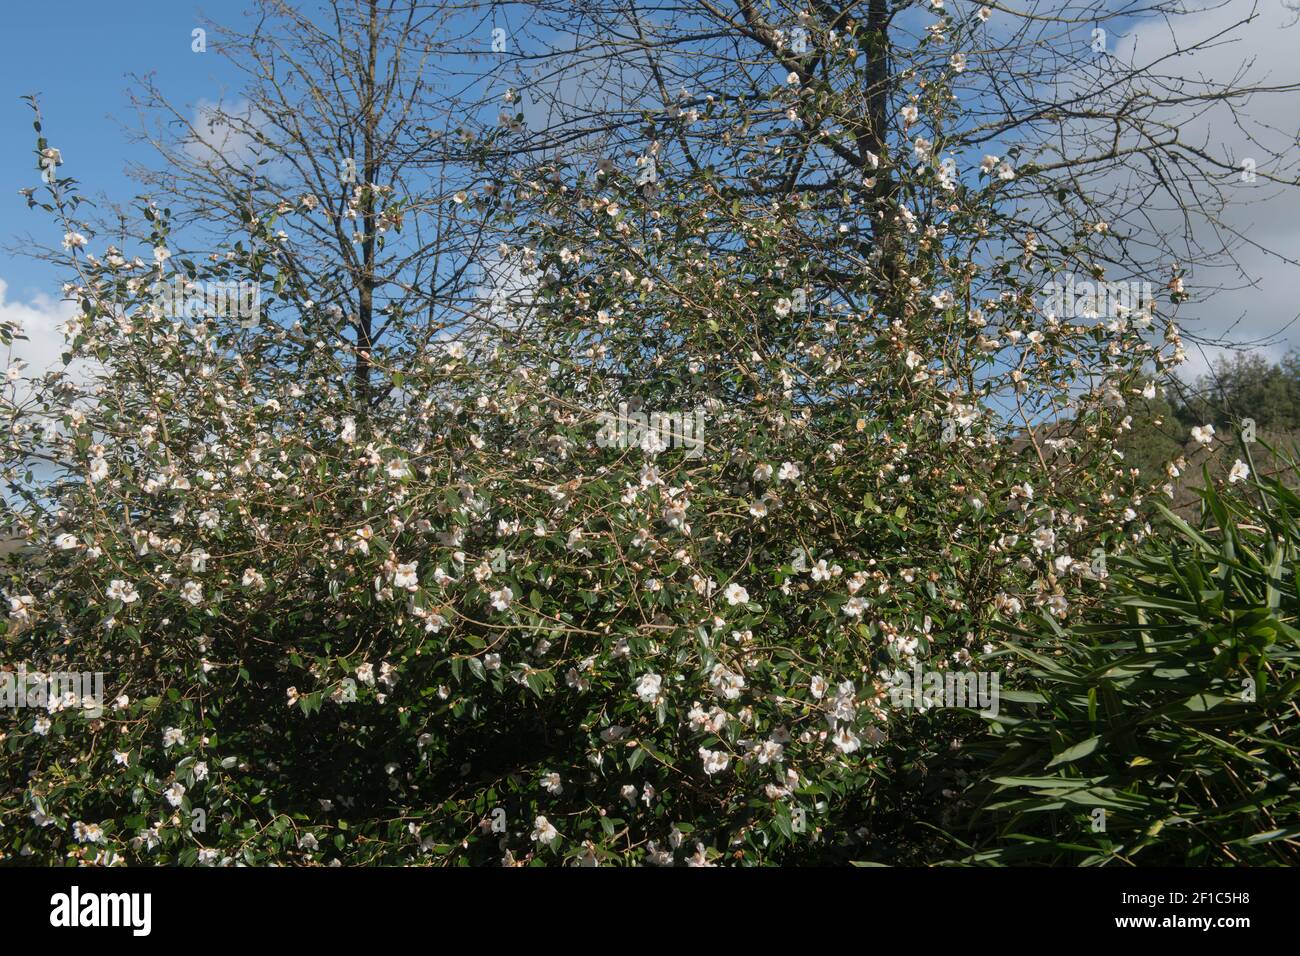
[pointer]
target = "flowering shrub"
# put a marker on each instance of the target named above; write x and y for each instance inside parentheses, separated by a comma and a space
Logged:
(441, 619)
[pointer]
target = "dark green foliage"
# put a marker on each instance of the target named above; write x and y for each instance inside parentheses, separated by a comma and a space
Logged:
(1171, 708)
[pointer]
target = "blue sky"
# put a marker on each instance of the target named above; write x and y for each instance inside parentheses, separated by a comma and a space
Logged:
(76, 56)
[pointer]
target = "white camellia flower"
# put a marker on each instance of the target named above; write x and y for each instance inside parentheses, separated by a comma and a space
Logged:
(648, 687)
(1203, 433)
(551, 783)
(175, 793)
(405, 577)
(817, 686)
(544, 832)
(789, 471)
(1240, 472)
(121, 591)
(769, 751)
(21, 607)
(726, 682)
(502, 599)
(735, 594)
(715, 761)
(1043, 539)
(846, 741)
(192, 593)
(87, 832)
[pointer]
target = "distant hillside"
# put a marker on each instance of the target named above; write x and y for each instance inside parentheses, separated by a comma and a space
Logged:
(1244, 389)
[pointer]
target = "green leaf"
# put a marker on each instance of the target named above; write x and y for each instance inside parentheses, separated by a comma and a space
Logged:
(1081, 749)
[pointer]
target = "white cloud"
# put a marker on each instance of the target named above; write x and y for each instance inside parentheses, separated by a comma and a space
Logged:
(222, 134)
(38, 319)
(1255, 303)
